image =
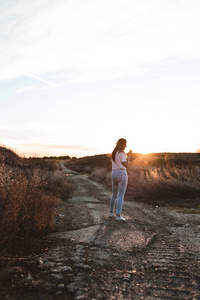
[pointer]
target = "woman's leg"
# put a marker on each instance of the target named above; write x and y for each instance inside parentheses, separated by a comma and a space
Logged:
(122, 190)
(114, 193)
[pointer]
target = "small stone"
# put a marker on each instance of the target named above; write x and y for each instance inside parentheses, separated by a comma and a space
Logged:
(126, 277)
(94, 248)
(61, 269)
(61, 286)
(58, 293)
(81, 297)
(86, 267)
(56, 276)
(65, 269)
(76, 258)
(49, 264)
(72, 287)
(40, 261)
(133, 271)
(29, 277)
(60, 264)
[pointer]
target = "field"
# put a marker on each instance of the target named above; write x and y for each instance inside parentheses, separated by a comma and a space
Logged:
(89, 254)
(32, 189)
(157, 178)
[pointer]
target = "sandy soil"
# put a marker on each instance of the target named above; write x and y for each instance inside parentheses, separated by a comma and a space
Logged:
(153, 255)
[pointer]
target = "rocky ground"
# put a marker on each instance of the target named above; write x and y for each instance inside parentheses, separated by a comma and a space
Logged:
(154, 255)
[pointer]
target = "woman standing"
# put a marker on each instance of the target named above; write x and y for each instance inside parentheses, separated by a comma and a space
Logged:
(119, 178)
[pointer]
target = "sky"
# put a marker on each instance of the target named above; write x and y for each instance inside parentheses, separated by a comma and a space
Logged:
(77, 75)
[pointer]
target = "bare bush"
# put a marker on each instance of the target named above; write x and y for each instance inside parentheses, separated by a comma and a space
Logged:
(59, 184)
(101, 175)
(153, 177)
(29, 194)
(89, 164)
(163, 183)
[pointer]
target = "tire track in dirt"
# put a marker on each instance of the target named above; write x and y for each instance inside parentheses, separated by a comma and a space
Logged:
(121, 266)
(170, 272)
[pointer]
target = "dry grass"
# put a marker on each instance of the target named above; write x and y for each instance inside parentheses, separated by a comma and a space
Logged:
(163, 183)
(30, 190)
(153, 178)
(185, 210)
(101, 175)
(89, 163)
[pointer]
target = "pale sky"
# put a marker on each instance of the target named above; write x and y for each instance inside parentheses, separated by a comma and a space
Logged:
(77, 75)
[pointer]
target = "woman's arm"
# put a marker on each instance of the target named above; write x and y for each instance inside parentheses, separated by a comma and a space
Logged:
(126, 163)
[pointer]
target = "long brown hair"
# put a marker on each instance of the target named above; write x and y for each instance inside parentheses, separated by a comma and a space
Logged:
(121, 143)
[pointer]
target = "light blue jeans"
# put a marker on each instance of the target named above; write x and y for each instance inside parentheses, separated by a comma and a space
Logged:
(119, 184)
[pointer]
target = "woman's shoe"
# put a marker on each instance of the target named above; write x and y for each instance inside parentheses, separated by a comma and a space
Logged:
(111, 215)
(120, 219)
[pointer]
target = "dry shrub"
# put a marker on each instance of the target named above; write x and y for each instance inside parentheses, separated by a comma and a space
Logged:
(50, 173)
(163, 183)
(26, 213)
(157, 178)
(101, 175)
(60, 184)
(89, 164)
(29, 194)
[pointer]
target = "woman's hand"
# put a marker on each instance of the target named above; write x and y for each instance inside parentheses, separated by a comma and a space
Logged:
(129, 157)
(129, 153)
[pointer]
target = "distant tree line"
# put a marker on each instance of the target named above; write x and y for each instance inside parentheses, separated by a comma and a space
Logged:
(66, 157)
(59, 157)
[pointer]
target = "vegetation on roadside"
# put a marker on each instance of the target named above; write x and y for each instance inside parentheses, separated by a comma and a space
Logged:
(64, 157)
(165, 178)
(153, 178)
(30, 190)
(88, 164)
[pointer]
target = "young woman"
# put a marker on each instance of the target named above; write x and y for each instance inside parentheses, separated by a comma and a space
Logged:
(119, 178)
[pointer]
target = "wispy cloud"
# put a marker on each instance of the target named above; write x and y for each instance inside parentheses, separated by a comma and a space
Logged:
(41, 149)
(59, 147)
(94, 40)
(39, 78)
(47, 84)
(27, 89)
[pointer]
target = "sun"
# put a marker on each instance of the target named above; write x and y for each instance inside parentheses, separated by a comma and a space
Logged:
(145, 142)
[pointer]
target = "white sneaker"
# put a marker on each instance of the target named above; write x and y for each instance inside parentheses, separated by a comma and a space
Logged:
(120, 218)
(111, 215)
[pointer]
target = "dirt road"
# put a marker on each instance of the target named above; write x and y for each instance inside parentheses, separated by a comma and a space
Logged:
(154, 255)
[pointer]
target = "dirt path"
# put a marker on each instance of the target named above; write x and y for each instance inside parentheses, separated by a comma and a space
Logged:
(154, 255)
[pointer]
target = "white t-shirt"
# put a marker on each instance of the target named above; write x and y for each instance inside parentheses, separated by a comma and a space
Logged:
(119, 157)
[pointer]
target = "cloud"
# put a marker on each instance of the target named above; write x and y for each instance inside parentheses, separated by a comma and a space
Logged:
(52, 84)
(59, 147)
(91, 40)
(27, 89)
(41, 149)
(48, 84)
